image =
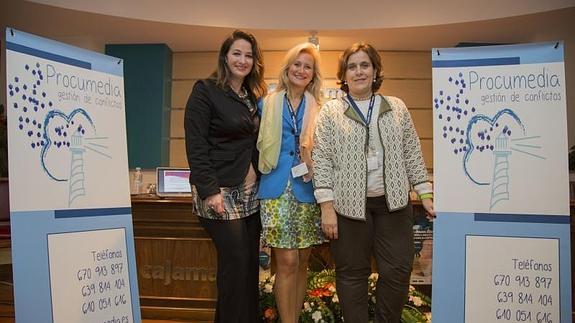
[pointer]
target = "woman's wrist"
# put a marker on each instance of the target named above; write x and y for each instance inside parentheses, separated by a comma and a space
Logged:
(327, 205)
(426, 196)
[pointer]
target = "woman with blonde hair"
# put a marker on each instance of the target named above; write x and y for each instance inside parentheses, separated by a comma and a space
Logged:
(289, 213)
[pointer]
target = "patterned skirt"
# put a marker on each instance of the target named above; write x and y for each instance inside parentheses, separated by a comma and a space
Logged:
(240, 201)
(288, 223)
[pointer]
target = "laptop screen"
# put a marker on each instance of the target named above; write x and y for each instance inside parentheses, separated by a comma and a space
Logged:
(173, 182)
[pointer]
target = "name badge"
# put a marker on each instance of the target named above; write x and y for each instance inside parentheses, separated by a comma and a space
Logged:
(299, 170)
(372, 163)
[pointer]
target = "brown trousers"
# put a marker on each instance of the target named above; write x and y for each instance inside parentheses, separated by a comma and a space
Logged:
(388, 237)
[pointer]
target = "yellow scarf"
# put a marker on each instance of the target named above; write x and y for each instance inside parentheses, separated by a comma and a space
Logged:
(269, 137)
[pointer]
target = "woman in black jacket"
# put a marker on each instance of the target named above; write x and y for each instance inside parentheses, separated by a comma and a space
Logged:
(221, 125)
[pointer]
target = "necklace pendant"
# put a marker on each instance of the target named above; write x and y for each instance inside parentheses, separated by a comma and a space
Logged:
(243, 93)
(363, 98)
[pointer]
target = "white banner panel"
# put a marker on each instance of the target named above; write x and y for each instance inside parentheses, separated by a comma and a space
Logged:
(72, 239)
(64, 135)
(499, 127)
(100, 269)
(521, 286)
(501, 250)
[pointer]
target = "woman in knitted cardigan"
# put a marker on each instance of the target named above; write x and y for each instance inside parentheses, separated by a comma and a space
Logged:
(366, 157)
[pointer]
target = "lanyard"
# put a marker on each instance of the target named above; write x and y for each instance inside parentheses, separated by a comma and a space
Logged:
(367, 120)
(294, 121)
(369, 111)
(293, 113)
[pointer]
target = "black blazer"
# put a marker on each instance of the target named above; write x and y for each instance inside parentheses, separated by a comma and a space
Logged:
(221, 136)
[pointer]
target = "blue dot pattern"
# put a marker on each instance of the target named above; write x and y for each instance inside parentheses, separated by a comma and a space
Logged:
(31, 103)
(39, 119)
(30, 108)
(454, 112)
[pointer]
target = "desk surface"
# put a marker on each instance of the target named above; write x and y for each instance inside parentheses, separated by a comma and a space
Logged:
(153, 198)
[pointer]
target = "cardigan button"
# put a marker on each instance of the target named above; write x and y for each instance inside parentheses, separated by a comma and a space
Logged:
(291, 153)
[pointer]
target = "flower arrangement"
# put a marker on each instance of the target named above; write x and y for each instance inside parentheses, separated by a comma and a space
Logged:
(321, 304)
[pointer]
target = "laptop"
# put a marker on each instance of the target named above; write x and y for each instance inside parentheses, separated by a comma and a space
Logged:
(173, 182)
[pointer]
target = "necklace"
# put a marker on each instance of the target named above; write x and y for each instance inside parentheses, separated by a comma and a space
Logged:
(243, 93)
(361, 98)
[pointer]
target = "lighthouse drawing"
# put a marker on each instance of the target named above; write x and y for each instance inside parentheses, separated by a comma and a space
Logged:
(76, 182)
(476, 136)
(500, 181)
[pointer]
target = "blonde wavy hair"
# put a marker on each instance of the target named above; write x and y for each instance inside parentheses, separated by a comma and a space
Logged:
(314, 86)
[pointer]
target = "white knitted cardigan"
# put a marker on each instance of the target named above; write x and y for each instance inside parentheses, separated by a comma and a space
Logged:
(339, 157)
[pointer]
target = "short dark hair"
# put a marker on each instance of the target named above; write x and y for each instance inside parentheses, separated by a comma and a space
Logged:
(375, 61)
(254, 82)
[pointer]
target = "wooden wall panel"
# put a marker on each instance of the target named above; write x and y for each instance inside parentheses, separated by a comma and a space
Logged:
(272, 61)
(396, 64)
(405, 65)
(415, 93)
(423, 123)
(329, 63)
(177, 124)
(196, 65)
(407, 75)
(427, 149)
(178, 153)
(181, 90)
(330, 83)
(421, 119)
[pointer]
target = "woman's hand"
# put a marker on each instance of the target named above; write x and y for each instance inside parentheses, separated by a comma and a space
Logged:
(309, 176)
(328, 220)
(215, 202)
(428, 206)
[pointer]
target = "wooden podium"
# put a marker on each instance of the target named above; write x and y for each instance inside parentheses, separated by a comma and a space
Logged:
(176, 260)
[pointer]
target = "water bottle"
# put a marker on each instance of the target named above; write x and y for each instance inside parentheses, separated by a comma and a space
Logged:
(137, 181)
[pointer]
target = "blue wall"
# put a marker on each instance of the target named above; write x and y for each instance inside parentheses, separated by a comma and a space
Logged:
(147, 83)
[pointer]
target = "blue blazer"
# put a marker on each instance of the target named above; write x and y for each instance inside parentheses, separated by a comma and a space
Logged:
(272, 185)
